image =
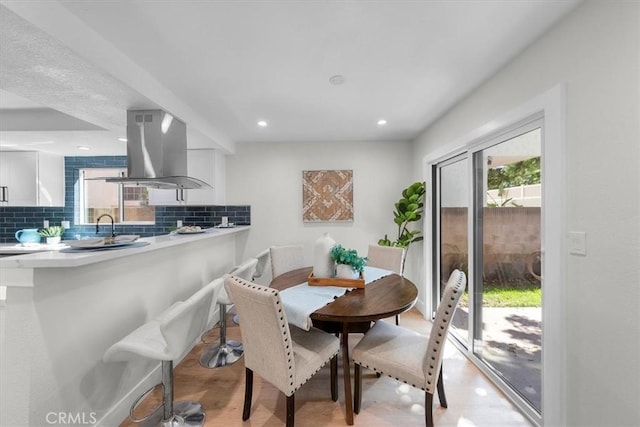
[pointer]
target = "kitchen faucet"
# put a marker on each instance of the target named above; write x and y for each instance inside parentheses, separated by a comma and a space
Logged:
(113, 226)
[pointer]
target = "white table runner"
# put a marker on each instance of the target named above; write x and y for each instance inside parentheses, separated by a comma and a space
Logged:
(301, 300)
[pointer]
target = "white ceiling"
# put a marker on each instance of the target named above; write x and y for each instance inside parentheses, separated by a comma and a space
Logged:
(70, 69)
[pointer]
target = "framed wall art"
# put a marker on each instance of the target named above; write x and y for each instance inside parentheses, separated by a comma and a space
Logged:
(327, 196)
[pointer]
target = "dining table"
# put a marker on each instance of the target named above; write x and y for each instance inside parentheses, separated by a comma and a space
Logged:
(354, 311)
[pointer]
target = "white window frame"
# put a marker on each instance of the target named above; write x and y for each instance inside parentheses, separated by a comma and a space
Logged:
(82, 219)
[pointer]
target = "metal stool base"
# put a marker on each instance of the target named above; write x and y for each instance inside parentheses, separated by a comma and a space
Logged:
(185, 414)
(217, 356)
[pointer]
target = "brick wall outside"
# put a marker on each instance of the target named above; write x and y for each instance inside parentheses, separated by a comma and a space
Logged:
(511, 236)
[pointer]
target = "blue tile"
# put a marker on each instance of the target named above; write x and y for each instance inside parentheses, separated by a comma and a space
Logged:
(15, 218)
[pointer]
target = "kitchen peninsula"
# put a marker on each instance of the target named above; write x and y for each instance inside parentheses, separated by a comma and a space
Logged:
(63, 310)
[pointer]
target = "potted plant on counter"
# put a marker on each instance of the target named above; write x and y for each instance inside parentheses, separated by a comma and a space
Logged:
(349, 264)
(52, 234)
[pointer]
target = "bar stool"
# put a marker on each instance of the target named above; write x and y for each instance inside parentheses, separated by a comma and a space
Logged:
(167, 338)
(227, 351)
(263, 260)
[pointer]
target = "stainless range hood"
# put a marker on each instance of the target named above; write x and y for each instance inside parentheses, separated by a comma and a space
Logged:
(157, 152)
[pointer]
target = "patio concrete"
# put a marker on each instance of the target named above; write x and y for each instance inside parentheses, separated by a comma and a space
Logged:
(511, 344)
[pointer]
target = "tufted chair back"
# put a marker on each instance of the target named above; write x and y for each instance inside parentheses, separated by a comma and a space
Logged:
(267, 343)
(285, 356)
(433, 358)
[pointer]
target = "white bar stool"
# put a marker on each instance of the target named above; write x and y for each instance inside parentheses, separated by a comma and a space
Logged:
(263, 259)
(227, 351)
(258, 271)
(167, 338)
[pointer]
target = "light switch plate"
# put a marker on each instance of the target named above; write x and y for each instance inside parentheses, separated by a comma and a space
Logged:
(45, 223)
(179, 223)
(578, 242)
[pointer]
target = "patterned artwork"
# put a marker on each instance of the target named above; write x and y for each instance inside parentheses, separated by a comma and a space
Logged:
(327, 196)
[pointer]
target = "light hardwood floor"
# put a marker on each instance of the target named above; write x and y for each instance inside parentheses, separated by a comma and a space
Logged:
(472, 399)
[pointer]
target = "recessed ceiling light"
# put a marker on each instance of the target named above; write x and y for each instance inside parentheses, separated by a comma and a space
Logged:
(382, 122)
(122, 139)
(82, 147)
(262, 123)
(338, 79)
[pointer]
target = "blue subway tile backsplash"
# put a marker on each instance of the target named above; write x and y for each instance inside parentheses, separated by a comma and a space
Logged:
(17, 218)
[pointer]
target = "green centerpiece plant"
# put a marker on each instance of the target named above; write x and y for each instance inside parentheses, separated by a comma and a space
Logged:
(349, 257)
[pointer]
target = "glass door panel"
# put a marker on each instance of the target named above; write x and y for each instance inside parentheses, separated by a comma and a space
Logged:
(453, 240)
(507, 284)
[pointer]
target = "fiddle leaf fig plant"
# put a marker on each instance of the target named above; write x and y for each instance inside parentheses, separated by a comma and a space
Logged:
(407, 210)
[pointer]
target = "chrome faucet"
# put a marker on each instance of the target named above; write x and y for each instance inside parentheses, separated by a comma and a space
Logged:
(113, 226)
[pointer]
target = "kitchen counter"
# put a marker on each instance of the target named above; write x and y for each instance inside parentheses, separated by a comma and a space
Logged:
(63, 310)
(43, 257)
(10, 249)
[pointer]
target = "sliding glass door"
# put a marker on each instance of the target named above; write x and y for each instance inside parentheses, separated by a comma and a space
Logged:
(488, 224)
(453, 238)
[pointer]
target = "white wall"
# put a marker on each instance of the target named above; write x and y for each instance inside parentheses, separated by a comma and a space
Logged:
(596, 52)
(268, 176)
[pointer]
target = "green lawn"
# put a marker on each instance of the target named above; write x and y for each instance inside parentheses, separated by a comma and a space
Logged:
(526, 295)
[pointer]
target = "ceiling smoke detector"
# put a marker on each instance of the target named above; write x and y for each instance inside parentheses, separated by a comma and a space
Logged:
(336, 80)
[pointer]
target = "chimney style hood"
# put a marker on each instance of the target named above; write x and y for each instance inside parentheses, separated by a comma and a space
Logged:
(157, 152)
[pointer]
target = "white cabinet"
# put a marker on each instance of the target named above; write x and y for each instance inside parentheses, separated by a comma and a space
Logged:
(206, 165)
(31, 178)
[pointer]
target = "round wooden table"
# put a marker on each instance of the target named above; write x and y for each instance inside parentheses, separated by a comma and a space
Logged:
(354, 312)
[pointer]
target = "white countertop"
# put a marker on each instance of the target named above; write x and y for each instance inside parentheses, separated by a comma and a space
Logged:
(52, 258)
(20, 249)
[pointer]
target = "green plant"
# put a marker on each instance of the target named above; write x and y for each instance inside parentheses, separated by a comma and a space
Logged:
(53, 231)
(350, 257)
(408, 209)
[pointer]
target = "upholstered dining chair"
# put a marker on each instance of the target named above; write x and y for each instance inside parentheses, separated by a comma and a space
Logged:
(282, 354)
(286, 258)
(408, 356)
(388, 258)
(227, 351)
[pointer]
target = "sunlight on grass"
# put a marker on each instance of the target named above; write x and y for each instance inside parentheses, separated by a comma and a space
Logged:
(499, 297)
(525, 295)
